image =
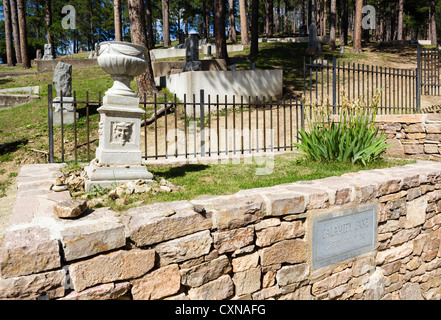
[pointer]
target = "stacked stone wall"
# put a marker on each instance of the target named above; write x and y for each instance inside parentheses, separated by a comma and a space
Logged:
(255, 244)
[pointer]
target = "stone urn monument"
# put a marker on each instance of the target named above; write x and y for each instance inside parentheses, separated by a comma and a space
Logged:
(118, 157)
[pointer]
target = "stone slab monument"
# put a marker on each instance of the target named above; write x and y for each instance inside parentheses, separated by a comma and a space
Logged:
(62, 81)
(48, 52)
(192, 62)
(312, 43)
(118, 156)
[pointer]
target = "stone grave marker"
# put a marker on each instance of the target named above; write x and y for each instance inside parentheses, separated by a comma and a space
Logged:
(62, 81)
(312, 43)
(192, 62)
(48, 52)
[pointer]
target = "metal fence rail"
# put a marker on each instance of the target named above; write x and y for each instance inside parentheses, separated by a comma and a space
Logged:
(330, 82)
(429, 65)
(182, 129)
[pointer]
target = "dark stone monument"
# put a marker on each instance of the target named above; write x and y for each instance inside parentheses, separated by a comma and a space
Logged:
(312, 43)
(192, 62)
(303, 30)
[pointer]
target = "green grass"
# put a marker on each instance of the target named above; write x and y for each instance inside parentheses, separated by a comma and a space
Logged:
(222, 179)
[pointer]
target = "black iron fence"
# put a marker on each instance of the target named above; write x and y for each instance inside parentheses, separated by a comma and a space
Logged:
(331, 82)
(428, 65)
(171, 128)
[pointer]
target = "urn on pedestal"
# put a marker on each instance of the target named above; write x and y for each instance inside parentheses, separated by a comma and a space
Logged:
(118, 157)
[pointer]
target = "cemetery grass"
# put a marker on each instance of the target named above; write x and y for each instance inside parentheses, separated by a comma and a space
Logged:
(195, 180)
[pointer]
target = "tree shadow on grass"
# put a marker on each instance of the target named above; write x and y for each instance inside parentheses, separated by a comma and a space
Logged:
(181, 171)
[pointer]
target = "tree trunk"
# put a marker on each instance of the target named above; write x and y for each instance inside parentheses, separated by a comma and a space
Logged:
(344, 23)
(244, 38)
(432, 23)
(232, 34)
(117, 17)
(146, 81)
(357, 27)
(16, 30)
(270, 18)
(8, 33)
(219, 21)
(166, 23)
(254, 49)
(151, 34)
(400, 19)
(26, 62)
(332, 24)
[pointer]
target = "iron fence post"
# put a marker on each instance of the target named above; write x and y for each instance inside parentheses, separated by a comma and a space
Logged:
(50, 123)
(202, 123)
(334, 84)
(418, 79)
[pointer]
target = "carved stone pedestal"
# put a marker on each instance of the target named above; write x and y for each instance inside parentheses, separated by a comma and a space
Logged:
(118, 157)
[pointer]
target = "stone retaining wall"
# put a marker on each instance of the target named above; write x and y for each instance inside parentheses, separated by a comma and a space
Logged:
(49, 65)
(417, 135)
(255, 244)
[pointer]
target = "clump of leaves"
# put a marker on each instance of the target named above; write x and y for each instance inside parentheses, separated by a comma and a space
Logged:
(349, 136)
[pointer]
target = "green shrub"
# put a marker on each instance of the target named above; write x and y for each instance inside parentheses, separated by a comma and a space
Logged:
(348, 136)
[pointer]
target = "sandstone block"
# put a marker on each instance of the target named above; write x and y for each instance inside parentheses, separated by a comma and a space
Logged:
(50, 284)
(184, 248)
(292, 274)
(286, 230)
(86, 240)
(28, 251)
(218, 289)
(232, 240)
(150, 224)
(71, 208)
(284, 203)
(108, 291)
(394, 253)
(431, 148)
(411, 291)
(115, 266)
(245, 262)
(289, 251)
(248, 281)
(416, 212)
(413, 149)
(158, 284)
(205, 272)
(234, 211)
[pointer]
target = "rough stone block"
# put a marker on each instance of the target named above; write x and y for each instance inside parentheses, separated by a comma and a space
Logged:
(150, 224)
(284, 203)
(232, 240)
(286, 230)
(27, 251)
(158, 284)
(86, 240)
(234, 211)
(71, 208)
(248, 281)
(115, 266)
(108, 291)
(49, 284)
(245, 262)
(291, 274)
(289, 251)
(416, 212)
(219, 289)
(205, 272)
(413, 149)
(184, 248)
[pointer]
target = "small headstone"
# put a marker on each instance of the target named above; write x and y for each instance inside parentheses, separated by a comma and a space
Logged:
(48, 52)
(62, 80)
(303, 30)
(181, 37)
(342, 49)
(209, 50)
(252, 66)
(38, 54)
(90, 55)
(233, 67)
(312, 43)
(70, 208)
(192, 62)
